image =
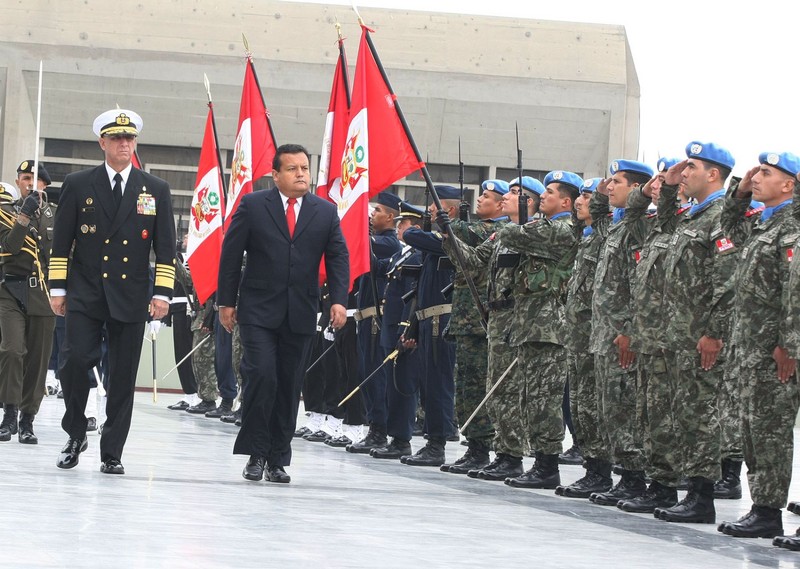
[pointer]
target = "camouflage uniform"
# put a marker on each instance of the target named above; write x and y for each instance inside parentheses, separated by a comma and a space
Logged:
(493, 258)
(611, 316)
(470, 338)
(654, 388)
(792, 337)
(583, 396)
(760, 322)
(698, 297)
(203, 357)
(538, 333)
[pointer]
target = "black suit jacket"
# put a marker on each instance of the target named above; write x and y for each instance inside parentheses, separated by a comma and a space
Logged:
(108, 274)
(282, 273)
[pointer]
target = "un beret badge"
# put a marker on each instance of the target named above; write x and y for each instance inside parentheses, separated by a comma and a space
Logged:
(614, 166)
(696, 149)
(773, 159)
(558, 175)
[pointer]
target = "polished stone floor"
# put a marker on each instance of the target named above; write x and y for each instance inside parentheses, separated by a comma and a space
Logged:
(183, 503)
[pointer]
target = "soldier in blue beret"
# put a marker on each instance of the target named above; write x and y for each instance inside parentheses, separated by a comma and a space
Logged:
(760, 360)
(532, 188)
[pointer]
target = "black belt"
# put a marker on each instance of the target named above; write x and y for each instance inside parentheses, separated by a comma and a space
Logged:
(501, 304)
(33, 282)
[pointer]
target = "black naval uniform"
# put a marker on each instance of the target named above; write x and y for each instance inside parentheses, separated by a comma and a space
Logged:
(26, 319)
(107, 281)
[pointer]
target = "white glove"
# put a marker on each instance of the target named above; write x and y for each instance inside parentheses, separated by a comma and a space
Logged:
(154, 326)
(328, 334)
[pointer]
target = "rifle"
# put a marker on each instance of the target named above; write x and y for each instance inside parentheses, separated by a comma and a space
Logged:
(463, 207)
(523, 199)
(426, 216)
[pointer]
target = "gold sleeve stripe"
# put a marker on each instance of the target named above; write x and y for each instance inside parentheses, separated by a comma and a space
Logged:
(166, 282)
(58, 274)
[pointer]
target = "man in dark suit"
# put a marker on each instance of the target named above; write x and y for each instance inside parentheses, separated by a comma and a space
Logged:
(108, 220)
(285, 231)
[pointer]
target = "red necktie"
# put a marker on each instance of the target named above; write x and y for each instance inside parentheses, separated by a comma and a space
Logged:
(290, 217)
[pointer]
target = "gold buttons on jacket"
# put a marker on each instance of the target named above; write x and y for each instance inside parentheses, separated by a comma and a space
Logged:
(124, 259)
(124, 241)
(108, 241)
(105, 257)
(105, 275)
(124, 277)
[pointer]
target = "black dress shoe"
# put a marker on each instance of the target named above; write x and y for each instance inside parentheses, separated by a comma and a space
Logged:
(71, 452)
(112, 466)
(254, 469)
(26, 434)
(225, 408)
(277, 474)
(338, 442)
(179, 406)
(91, 424)
(202, 408)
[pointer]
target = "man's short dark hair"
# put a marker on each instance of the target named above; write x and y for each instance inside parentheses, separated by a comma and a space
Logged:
(723, 171)
(635, 177)
(288, 149)
(568, 191)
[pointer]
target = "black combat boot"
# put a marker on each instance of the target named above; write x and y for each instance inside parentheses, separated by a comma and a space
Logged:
(657, 496)
(376, 438)
(9, 424)
(790, 542)
(760, 521)
(729, 487)
(225, 408)
(573, 455)
(396, 449)
(631, 484)
(502, 467)
(202, 408)
(544, 474)
(432, 454)
(476, 457)
(596, 481)
(794, 507)
(26, 435)
(233, 416)
(696, 508)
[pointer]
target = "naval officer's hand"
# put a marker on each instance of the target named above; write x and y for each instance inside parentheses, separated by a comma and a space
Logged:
(158, 308)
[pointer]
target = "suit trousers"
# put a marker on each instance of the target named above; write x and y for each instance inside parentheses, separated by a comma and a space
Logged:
(273, 369)
(81, 351)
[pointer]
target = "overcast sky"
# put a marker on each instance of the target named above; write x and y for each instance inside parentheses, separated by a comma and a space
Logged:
(708, 70)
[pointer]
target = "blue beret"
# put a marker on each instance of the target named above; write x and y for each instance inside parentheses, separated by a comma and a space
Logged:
(630, 166)
(665, 164)
(496, 186)
(388, 199)
(528, 183)
(448, 193)
(27, 167)
(409, 211)
(564, 177)
(710, 152)
(785, 161)
(590, 185)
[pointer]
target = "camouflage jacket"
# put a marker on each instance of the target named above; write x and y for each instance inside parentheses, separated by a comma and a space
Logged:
(465, 320)
(793, 335)
(761, 318)
(612, 309)
(698, 290)
(647, 292)
(538, 310)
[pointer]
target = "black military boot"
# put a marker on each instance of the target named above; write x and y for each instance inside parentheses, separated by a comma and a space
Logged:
(790, 542)
(432, 454)
(631, 484)
(502, 467)
(794, 507)
(26, 435)
(396, 449)
(376, 438)
(573, 455)
(544, 474)
(657, 496)
(9, 424)
(225, 408)
(760, 521)
(729, 487)
(233, 416)
(476, 457)
(597, 480)
(202, 408)
(696, 508)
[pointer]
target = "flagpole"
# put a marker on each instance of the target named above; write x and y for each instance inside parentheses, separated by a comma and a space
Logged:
(428, 180)
(343, 63)
(249, 55)
(35, 186)
(216, 144)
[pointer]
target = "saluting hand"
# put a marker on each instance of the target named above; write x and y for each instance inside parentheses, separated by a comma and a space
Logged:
(746, 185)
(602, 187)
(673, 176)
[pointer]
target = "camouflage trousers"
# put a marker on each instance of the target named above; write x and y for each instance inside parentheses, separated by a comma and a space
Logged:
(470, 378)
(203, 366)
(696, 413)
(583, 404)
(616, 389)
(236, 341)
(768, 412)
(543, 370)
(730, 421)
(655, 419)
(503, 406)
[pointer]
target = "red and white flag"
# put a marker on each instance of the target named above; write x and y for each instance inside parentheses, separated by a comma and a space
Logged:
(205, 224)
(376, 153)
(255, 144)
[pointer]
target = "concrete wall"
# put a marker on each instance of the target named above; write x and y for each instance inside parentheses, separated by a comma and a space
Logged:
(571, 87)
